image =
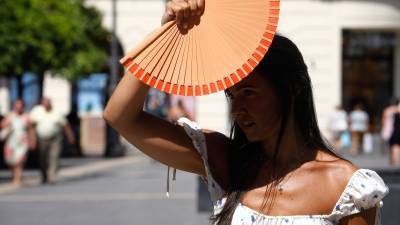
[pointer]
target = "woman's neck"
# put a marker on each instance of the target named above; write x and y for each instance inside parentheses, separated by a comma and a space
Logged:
(292, 150)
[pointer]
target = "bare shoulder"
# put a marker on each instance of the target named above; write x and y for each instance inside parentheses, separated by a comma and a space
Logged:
(336, 170)
(333, 174)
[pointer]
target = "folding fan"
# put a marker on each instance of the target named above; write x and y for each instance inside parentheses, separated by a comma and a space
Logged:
(224, 46)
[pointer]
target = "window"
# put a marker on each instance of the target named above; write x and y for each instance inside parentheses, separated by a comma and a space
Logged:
(368, 71)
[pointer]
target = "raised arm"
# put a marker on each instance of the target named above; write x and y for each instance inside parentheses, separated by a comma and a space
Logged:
(157, 138)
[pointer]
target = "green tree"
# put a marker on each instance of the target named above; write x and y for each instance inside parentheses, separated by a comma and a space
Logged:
(62, 36)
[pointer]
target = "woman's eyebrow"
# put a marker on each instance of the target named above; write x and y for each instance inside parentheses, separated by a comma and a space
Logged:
(238, 87)
(245, 86)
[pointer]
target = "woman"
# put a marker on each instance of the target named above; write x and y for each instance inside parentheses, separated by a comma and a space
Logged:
(391, 130)
(275, 168)
(338, 126)
(17, 142)
(359, 121)
(394, 140)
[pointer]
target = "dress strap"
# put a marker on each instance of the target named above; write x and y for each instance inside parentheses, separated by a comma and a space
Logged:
(364, 190)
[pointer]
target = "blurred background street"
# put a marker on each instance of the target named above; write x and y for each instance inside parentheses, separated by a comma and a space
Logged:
(132, 190)
(59, 65)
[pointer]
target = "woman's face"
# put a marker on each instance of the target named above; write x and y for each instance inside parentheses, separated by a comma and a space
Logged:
(255, 107)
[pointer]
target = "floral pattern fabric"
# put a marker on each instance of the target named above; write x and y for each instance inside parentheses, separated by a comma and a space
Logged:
(16, 145)
(364, 190)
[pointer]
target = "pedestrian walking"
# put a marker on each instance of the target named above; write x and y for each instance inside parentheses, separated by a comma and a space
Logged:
(2, 140)
(395, 141)
(20, 137)
(388, 119)
(49, 126)
(359, 121)
(275, 168)
(391, 130)
(337, 126)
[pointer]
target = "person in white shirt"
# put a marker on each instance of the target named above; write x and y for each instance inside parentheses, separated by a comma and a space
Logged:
(359, 121)
(337, 126)
(49, 126)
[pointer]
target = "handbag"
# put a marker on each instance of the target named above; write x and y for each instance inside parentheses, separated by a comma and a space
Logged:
(367, 143)
(345, 139)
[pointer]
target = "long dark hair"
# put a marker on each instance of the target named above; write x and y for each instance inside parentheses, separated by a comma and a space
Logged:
(284, 68)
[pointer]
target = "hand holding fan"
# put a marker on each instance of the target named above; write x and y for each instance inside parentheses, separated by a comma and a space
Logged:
(221, 47)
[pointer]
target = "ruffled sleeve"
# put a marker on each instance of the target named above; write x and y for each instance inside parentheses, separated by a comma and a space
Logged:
(364, 190)
(199, 142)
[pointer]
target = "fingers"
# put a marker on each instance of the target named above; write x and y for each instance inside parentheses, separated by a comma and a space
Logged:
(186, 12)
(196, 7)
(182, 11)
(200, 6)
(179, 9)
(193, 7)
(168, 15)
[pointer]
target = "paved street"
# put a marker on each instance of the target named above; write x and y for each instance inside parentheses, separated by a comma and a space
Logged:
(120, 192)
(126, 191)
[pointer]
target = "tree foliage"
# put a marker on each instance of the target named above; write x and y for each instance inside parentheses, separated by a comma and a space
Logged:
(62, 36)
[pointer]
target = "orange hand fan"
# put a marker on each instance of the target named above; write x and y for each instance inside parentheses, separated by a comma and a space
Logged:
(227, 43)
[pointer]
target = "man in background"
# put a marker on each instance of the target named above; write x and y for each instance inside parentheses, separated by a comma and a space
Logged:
(49, 126)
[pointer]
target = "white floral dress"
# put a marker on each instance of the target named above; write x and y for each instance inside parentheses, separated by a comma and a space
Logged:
(364, 190)
(16, 145)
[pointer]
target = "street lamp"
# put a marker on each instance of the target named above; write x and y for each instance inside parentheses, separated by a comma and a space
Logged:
(113, 146)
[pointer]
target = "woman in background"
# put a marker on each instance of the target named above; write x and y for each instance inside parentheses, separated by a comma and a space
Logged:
(391, 130)
(21, 136)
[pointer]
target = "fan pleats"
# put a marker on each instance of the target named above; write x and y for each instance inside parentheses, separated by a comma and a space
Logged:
(229, 41)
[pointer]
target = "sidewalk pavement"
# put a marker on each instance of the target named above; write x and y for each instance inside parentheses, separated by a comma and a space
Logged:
(79, 167)
(70, 168)
(374, 161)
(121, 191)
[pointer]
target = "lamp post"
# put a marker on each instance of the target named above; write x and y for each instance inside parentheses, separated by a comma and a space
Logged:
(113, 146)
(114, 49)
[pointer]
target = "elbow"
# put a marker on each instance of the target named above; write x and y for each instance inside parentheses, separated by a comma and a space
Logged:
(111, 121)
(119, 119)
(109, 117)
(115, 120)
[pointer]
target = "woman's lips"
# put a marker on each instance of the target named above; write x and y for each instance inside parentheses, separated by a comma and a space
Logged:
(247, 124)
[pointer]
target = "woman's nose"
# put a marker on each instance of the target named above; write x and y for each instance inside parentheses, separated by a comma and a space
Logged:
(238, 110)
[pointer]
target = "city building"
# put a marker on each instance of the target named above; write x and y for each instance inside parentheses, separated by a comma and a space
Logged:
(352, 49)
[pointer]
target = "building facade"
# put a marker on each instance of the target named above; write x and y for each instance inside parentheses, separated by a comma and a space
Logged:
(352, 49)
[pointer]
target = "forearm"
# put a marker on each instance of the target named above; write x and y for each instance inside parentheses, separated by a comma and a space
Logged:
(4, 123)
(32, 135)
(69, 133)
(126, 103)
